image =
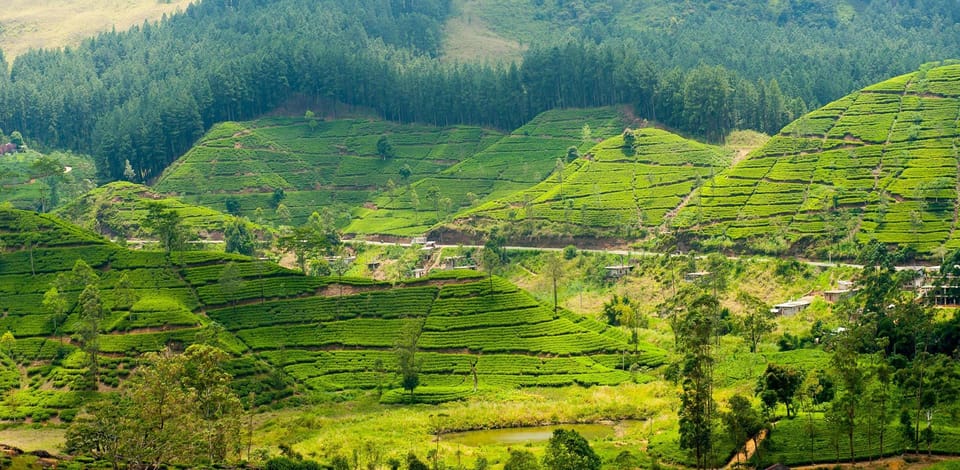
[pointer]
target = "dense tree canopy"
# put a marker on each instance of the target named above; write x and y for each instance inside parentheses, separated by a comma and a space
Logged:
(146, 95)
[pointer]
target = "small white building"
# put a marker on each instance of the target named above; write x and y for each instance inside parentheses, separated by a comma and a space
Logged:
(792, 307)
(835, 295)
(419, 272)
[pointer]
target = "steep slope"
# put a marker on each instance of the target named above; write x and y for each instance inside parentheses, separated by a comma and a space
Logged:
(154, 308)
(615, 190)
(317, 164)
(514, 163)
(879, 164)
(281, 327)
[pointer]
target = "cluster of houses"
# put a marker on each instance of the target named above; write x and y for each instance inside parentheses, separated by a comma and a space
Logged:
(427, 249)
(842, 290)
(942, 290)
(942, 293)
(926, 282)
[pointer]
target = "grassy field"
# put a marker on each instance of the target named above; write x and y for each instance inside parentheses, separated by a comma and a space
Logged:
(503, 336)
(467, 37)
(50, 24)
(648, 408)
(325, 335)
(879, 164)
(160, 311)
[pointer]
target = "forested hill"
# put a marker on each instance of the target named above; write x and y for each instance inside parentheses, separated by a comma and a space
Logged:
(703, 68)
(149, 93)
(818, 50)
(146, 95)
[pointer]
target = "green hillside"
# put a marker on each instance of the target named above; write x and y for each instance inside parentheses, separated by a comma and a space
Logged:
(463, 326)
(150, 303)
(282, 328)
(880, 164)
(514, 163)
(27, 186)
(317, 164)
(120, 208)
(614, 190)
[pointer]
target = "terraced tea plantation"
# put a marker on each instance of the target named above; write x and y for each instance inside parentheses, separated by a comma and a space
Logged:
(880, 164)
(470, 332)
(317, 163)
(281, 327)
(151, 301)
(119, 208)
(615, 188)
(514, 163)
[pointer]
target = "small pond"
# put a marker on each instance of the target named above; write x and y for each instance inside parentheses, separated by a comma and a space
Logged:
(527, 434)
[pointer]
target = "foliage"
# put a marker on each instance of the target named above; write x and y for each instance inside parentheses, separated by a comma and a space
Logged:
(311, 241)
(742, 422)
(501, 166)
(568, 450)
(273, 161)
(41, 182)
(372, 61)
(782, 383)
(757, 322)
(612, 193)
(521, 460)
(695, 338)
(406, 349)
(167, 226)
(92, 313)
(239, 237)
(176, 409)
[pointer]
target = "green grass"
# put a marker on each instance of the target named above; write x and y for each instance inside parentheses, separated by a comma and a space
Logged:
(467, 327)
(811, 441)
(166, 311)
